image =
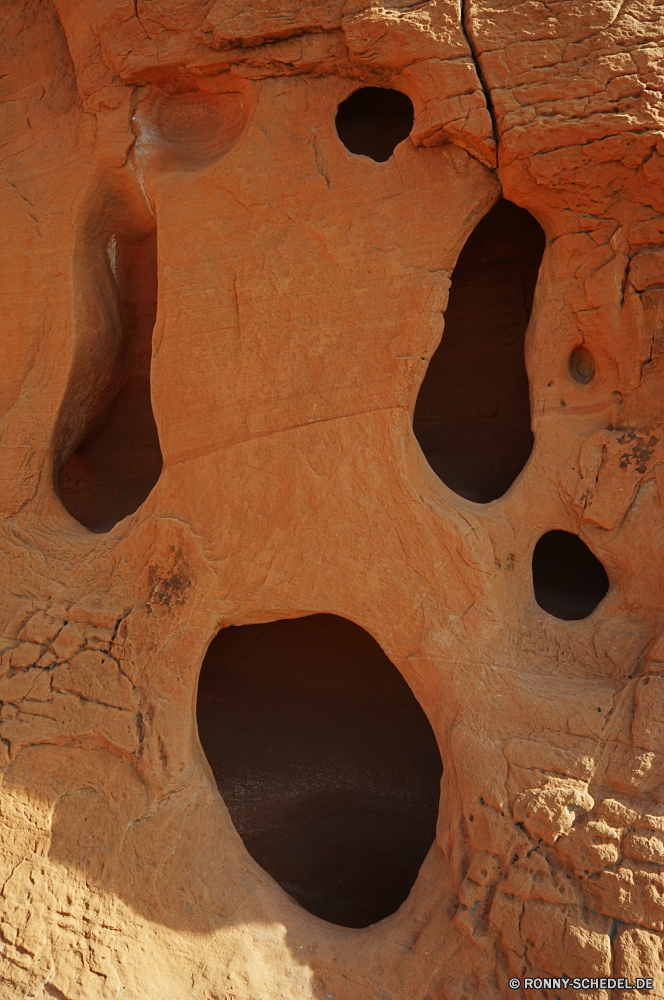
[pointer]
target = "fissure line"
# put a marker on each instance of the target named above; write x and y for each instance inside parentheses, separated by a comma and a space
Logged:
(465, 27)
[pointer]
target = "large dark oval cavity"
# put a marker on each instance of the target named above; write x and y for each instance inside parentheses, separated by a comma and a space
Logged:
(373, 121)
(569, 581)
(472, 417)
(325, 760)
(114, 459)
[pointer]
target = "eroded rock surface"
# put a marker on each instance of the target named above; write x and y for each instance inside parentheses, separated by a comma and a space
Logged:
(179, 212)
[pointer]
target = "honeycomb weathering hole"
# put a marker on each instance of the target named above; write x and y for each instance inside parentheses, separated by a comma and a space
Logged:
(569, 581)
(582, 365)
(325, 760)
(117, 460)
(193, 128)
(373, 121)
(472, 417)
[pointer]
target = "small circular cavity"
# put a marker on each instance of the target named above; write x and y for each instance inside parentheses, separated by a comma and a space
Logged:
(188, 129)
(568, 579)
(582, 365)
(373, 121)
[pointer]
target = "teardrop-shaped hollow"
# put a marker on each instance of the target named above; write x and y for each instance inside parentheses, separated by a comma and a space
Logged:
(472, 417)
(373, 121)
(568, 579)
(116, 459)
(326, 762)
(581, 365)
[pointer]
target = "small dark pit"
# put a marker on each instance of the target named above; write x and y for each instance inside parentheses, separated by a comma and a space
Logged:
(569, 580)
(373, 121)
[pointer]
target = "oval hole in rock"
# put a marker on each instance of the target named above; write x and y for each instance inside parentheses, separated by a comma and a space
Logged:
(117, 459)
(325, 760)
(472, 416)
(569, 581)
(373, 121)
(582, 365)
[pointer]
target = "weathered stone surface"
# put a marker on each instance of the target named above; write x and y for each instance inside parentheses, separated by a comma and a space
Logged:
(172, 173)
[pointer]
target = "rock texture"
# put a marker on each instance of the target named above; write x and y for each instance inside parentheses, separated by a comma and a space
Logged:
(299, 293)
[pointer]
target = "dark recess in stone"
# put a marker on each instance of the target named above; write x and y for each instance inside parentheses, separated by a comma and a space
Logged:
(325, 760)
(118, 460)
(569, 581)
(373, 121)
(582, 365)
(472, 417)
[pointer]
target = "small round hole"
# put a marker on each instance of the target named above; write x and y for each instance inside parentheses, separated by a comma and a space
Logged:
(568, 579)
(582, 365)
(373, 121)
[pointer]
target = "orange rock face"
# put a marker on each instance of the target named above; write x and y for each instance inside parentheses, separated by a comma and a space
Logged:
(418, 573)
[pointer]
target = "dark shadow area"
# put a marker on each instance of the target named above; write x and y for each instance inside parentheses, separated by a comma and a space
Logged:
(472, 417)
(582, 365)
(325, 760)
(373, 121)
(569, 580)
(117, 460)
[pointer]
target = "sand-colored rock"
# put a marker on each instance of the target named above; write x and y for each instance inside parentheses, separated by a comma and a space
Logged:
(192, 260)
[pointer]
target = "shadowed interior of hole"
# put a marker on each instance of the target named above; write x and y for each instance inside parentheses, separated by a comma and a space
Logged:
(472, 417)
(325, 760)
(373, 121)
(569, 581)
(118, 461)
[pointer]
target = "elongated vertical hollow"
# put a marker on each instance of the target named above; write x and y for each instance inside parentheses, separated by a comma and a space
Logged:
(110, 455)
(472, 417)
(325, 760)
